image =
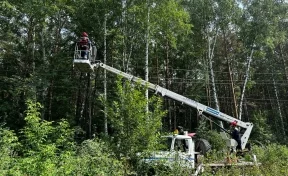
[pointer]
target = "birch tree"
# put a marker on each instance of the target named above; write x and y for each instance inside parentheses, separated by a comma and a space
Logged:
(147, 50)
(249, 60)
(105, 75)
(279, 108)
(257, 31)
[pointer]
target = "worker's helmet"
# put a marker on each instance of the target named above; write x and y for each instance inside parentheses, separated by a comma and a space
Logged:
(234, 123)
(84, 34)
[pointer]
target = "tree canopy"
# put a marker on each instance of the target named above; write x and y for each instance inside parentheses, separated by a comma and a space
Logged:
(230, 55)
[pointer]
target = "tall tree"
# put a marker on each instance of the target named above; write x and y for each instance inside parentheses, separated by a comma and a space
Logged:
(133, 131)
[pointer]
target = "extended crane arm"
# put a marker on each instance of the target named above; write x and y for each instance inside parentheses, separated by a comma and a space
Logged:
(200, 107)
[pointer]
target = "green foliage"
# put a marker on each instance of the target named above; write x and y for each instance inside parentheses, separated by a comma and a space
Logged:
(43, 144)
(272, 153)
(214, 138)
(35, 131)
(162, 168)
(172, 20)
(134, 129)
(48, 149)
(262, 131)
(273, 159)
(36, 47)
(250, 84)
(96, 158)
(8, 144)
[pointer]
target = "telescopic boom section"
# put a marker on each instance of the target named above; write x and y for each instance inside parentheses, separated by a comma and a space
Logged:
(200, 107)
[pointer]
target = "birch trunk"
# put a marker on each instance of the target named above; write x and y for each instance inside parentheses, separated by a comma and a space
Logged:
(44, 93)
(279, 107)
(210, 60)
(124, 32)
(105, 77)
(147, 53)
(168, 103)
(33, 51)
(245, 83)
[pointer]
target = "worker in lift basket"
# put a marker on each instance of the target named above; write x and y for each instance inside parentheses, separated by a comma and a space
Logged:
(84, 45)
(236, 134)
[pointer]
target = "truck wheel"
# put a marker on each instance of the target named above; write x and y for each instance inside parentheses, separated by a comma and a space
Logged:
(202, 146)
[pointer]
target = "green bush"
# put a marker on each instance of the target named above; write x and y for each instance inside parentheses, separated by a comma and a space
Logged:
(262, 130)
(273, 159)
(96, 158)
(45, 145)
(135, 128)
(48, 149)
(214, 137)
(8, 144)
(162, 168)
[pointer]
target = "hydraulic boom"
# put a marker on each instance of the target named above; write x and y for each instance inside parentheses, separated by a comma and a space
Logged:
(200, 107)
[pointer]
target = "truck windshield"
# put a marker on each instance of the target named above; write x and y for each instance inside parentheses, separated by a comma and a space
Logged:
(165, 144)
(181, 145)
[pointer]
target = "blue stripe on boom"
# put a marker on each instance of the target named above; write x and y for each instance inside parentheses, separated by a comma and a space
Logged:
(213, 111)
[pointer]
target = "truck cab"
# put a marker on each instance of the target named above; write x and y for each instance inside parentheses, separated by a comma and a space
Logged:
(176, 148)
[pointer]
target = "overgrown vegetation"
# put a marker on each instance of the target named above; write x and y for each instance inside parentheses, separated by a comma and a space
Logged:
(135, 128)
(213, 136)
(272, 161)
(228, 54)
(48, 148)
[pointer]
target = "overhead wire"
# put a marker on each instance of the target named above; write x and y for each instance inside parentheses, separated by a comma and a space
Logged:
(191, 95)
(198, 70)
(202, 81)
(188, 81)
(61, 72)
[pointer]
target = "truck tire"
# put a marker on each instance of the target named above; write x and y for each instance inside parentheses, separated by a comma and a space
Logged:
(202, 146)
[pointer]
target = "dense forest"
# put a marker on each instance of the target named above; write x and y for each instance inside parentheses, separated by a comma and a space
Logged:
(230, 55)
